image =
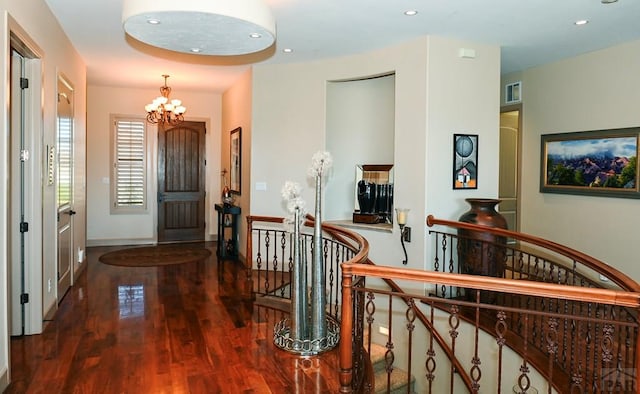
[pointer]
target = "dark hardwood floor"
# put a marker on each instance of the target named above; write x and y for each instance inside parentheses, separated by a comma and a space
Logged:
(171, 329)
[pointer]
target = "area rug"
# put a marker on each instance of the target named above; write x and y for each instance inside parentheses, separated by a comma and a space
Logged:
(152, 256)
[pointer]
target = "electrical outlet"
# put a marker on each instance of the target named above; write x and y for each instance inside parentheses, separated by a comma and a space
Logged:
(383, 330)
(80, 256)
(49, 285)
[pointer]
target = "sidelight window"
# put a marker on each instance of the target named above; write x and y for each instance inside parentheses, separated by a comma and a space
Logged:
(129, 168)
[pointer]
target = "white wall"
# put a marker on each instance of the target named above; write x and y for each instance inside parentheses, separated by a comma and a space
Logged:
(33, 20)
(237, 113)
(289, 126)
(463, 98)
(437, 94)
(598, 90)
(104, 228)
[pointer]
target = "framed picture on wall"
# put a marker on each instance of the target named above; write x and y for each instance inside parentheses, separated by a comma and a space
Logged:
(465, 161)
(593, 163)
(235, 157)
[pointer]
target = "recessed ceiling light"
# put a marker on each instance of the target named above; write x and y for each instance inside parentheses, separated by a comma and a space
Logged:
(153, 21)
(581, 22)
(255, 35)
(196, 50)
(411, 13)
(287, 50)
(608, 1)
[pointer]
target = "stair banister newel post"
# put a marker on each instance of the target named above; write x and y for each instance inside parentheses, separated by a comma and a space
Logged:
(346, 328)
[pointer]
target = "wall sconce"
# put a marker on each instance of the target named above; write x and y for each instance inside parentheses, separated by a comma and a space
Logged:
(405, 232)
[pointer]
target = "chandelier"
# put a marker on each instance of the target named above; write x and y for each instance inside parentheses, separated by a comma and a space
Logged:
(163, 110)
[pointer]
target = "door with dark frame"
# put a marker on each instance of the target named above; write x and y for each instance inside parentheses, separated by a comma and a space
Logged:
(181, 182)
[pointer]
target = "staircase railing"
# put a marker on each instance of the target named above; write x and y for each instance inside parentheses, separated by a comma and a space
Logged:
(548, 313)
(270, 245)
(269, 252)
(611, 344)
(567, 335)
(530, 258)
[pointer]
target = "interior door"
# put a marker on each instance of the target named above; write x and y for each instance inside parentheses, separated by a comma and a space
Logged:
(509, 167)
(17, 211)
(64, 185)
(181, 182)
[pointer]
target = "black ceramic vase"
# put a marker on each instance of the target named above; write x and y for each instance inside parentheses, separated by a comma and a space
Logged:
(482, 253)
(366, 196)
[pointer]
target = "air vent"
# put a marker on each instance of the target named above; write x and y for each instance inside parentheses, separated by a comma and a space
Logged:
(513, 93)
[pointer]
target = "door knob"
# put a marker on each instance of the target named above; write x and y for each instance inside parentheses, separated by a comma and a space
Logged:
(72, 212)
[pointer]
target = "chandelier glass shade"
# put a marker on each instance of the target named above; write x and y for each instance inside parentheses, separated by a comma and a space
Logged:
(165, 110)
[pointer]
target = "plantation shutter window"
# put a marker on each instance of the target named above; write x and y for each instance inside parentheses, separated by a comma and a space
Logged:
(129, 167)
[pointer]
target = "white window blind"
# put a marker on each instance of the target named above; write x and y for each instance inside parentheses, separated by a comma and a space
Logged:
(65, 161)
(129, 168)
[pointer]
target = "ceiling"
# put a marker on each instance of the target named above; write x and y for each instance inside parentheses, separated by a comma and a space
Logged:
(530, 33)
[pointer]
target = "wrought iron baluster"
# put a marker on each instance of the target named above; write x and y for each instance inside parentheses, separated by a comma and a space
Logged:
(371, 310)
(476, 372)
(283, 283)
(335, 257)
(501, 330)
(410, 315)
(430, 363)
(389, 356)
(552, 344)
(524, 383)
(267, 244)
(436, 259)
(577, 378)
(454, 323)
(259, 260)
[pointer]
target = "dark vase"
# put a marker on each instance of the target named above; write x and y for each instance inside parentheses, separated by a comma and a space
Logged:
(482, 253)
(366, 196)
(382, 198)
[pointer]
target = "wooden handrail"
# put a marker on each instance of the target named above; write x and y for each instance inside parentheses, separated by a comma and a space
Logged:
(523, 287)
(615, 276)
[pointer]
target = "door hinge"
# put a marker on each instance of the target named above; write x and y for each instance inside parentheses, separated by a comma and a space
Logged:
(24, 83)
(24, 155)
(24, 298)
(24, 227)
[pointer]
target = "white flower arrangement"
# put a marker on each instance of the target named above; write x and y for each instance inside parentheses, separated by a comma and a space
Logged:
(320, 163)
(291, 193)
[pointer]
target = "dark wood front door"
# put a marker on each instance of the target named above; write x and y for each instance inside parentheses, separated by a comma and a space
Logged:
(181, 176)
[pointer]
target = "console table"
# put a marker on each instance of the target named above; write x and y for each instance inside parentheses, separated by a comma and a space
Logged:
(228, 215)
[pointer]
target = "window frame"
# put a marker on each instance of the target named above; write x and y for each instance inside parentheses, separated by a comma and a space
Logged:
(114, 183)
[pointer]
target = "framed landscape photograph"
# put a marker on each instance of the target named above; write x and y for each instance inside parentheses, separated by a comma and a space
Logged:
(235, 156)
(465, 161)
(595, 163)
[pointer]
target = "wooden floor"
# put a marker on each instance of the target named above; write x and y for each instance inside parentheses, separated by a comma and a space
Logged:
(171, 329)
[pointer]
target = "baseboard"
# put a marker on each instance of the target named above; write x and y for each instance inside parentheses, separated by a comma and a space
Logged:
(135, 241)
(50, 314)
(4, 380)
(120, 242)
